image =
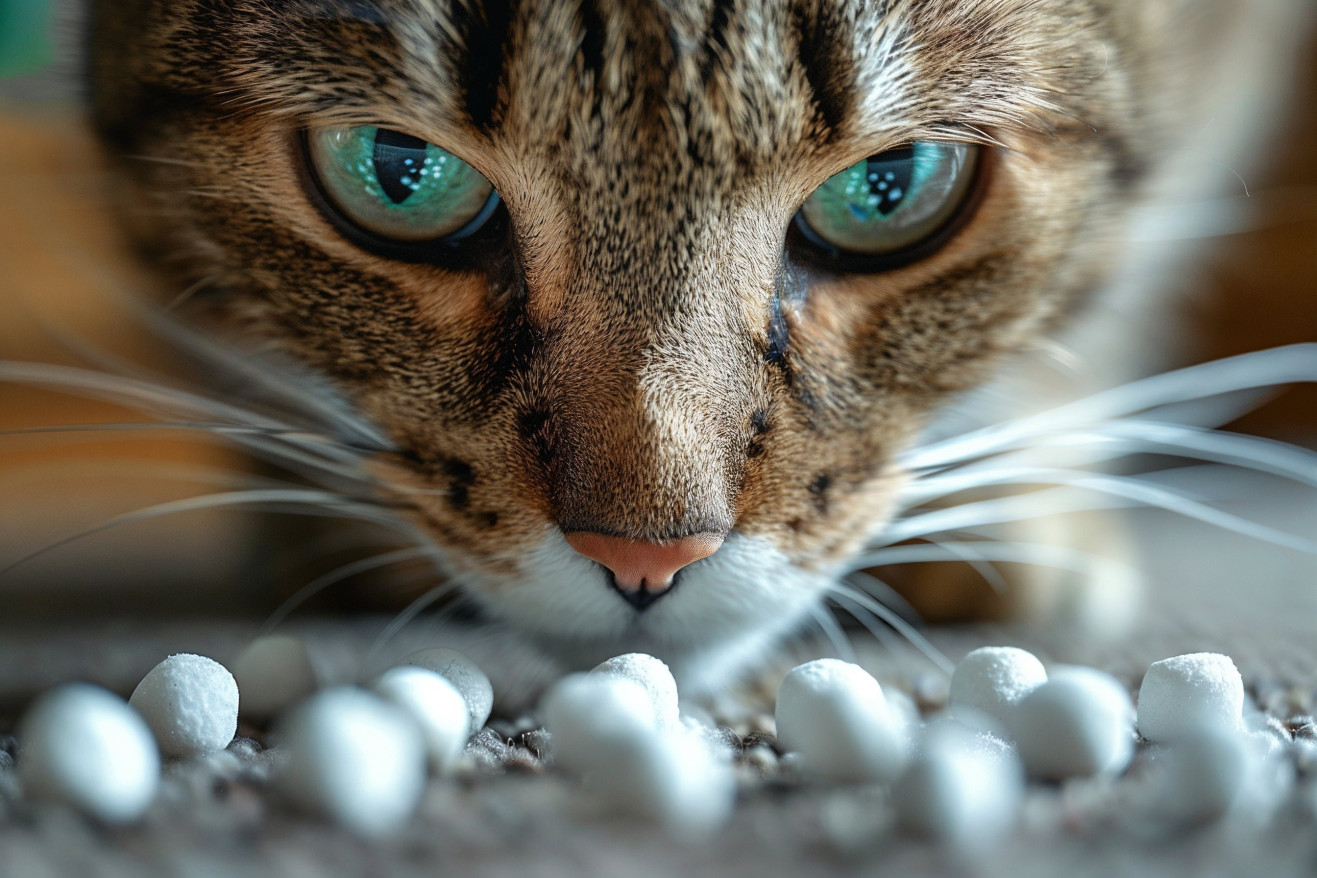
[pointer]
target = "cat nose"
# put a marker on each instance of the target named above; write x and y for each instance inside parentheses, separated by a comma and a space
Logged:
(643, 570)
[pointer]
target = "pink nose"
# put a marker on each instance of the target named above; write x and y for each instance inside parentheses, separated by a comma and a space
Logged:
(640, 566)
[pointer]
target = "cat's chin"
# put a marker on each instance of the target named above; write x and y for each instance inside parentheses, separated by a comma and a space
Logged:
(726, 613)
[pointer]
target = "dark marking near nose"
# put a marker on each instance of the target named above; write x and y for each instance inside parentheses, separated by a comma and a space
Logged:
(819, 489)
(460, 477)
(533, 426)
(758, 427)
(517, 341)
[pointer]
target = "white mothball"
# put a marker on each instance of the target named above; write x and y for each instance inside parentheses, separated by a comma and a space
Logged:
(962, 788)
(1184, 694)
(191, 704)
(673, 777)
(992, 681)
(84, 746)
(466, 677)
(834, 715)
(273, 673)
(355, 758)
(1078, 723)
(435, 705)
(651, 675)
(1203, 775)
(581, 711)
(603, 727)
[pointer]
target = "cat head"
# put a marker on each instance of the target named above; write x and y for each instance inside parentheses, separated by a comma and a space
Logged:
(685, 278)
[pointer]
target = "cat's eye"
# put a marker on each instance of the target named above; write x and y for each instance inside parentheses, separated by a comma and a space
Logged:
(890, 204)
(399, 187)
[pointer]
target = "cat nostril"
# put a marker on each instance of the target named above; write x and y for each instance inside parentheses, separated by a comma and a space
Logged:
(643, 570)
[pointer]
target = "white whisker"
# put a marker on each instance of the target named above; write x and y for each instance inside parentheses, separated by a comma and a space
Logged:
(134, 392)
(842, 592)
(1039, 554)
(1283, 365)
(337, 575)
(982, 566)
(319, 503)
(1121, 439)
(1137, 492)
(406, 617)
(832, 632)
(881, 633)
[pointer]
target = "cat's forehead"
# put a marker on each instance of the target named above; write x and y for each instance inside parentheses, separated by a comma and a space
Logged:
(735, 82)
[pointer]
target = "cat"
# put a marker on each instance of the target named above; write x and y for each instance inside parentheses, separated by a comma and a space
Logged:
(642, 305)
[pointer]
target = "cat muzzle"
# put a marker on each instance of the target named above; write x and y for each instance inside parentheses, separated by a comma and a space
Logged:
(642, 570)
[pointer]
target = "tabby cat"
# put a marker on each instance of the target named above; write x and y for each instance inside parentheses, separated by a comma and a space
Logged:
(646, 298)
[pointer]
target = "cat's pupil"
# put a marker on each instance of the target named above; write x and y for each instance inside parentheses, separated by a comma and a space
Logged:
(889, 176)
(400, 163)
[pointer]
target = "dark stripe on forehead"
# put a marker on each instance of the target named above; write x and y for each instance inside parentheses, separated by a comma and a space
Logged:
(358, 10)
(716, 42)
(483, 29)
(823, 39)
(592, 39)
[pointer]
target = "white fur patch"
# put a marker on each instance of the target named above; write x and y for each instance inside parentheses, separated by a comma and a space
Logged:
(723, 613)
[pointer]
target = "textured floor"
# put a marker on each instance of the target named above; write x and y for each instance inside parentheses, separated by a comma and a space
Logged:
(502, 815)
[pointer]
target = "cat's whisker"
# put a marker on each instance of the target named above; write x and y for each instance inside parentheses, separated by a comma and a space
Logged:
(337, 575)
(183, 297)
(832, 632)
(320, 453)
(1223, 217)
(213, 194)
(140, 468)
(1283, 365)
(123, 390)
(162, 160)
(999, 510)
(295, 393)
(1123, 438)
(881, 633)
(407, 616)
(285, 448)
(879, 590)
(296, 502)
(189, 429)
(116, 366)
(980, 565)
(942, 487)
(1217, 446)
(1121, 492)
(1036, 554)
(847, 594)
(282, 447)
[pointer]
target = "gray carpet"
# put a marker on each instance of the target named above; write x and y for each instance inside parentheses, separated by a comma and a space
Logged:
(503, 814)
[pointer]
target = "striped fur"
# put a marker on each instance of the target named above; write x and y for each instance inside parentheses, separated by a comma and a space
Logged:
(642, 352)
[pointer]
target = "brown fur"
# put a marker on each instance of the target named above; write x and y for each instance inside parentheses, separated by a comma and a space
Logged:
(646, 354)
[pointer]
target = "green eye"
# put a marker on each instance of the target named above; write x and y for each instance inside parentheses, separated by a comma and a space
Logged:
(891, 201)
(398, 186)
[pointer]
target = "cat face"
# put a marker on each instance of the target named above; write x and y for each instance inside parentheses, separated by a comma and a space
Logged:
(640, 340)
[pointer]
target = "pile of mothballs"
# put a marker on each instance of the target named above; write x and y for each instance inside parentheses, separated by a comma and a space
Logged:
(360, 756)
